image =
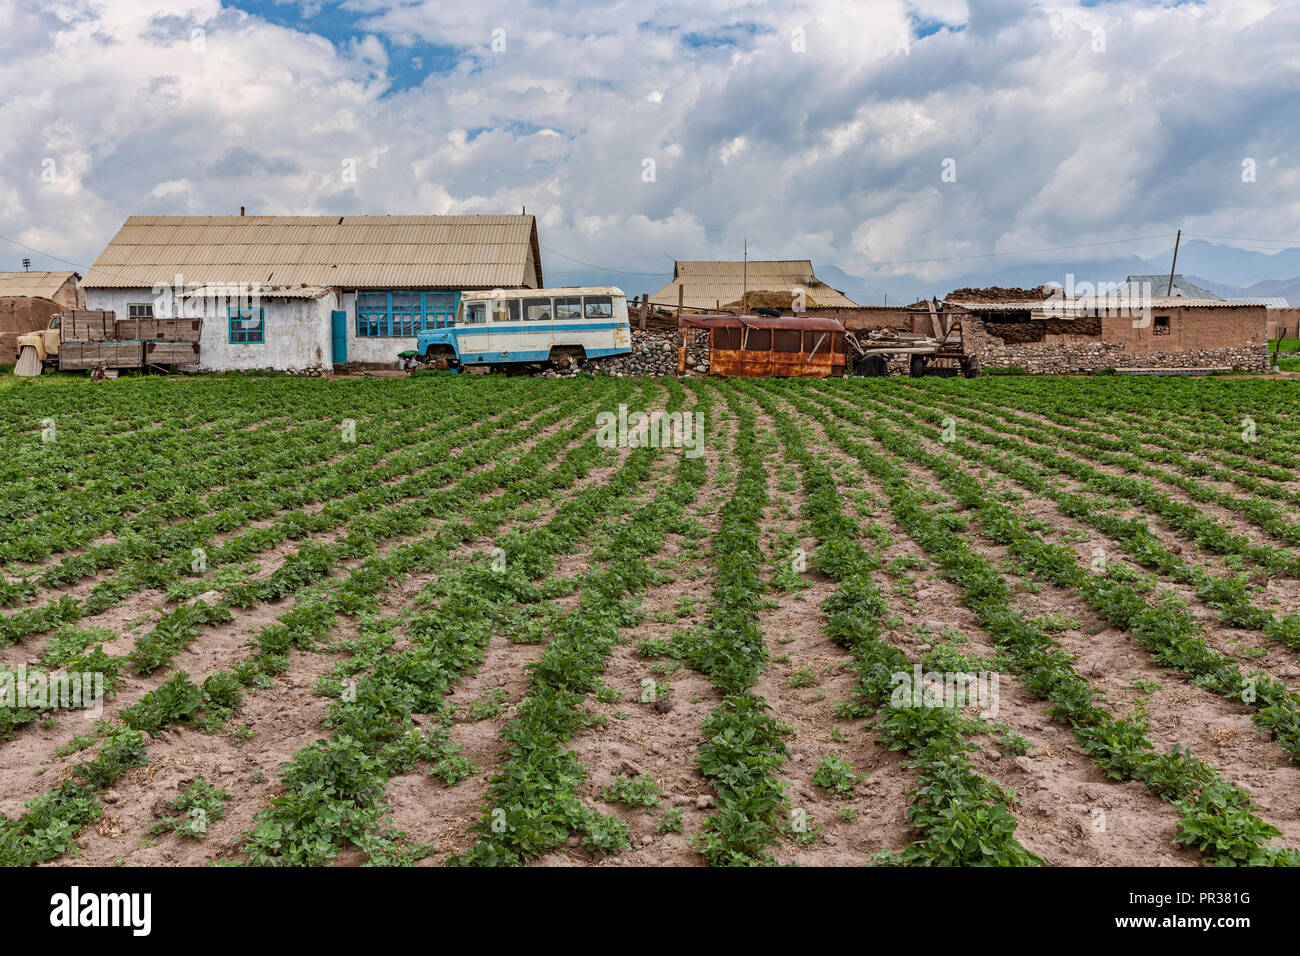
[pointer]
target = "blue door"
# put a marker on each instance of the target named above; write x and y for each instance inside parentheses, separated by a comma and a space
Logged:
(339, 337)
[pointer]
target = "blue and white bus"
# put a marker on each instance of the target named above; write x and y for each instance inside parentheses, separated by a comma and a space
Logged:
(509, 327)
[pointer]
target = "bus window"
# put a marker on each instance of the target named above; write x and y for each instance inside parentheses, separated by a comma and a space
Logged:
(505, 310)
(569, 307)
(537, 310)
(598, 307)
(785, 340)
(475, 313)
(758, 340)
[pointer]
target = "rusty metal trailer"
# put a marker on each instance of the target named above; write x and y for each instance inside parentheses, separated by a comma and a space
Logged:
(761, 346)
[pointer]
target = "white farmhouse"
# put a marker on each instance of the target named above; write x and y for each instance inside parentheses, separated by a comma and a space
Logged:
(297, 292)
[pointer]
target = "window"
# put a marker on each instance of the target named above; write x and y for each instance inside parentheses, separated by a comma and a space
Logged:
(758, 340)
(403, 314)
(537, 310)
(246, 326)
(475, 313)
(785, 340)
(568, 308)
(1162, 325)
(505, 310)
(408, 313)
(726, 339)
(816, 342)
(139, 310)
(598, 307)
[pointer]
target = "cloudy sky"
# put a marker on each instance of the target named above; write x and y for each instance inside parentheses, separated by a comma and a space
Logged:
(880, 136)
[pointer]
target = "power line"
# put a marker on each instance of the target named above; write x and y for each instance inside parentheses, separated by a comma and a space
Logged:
(888, 262)
(1288, 242)
(47, 255)
(992, 255)
(589, 265)
(838, 265)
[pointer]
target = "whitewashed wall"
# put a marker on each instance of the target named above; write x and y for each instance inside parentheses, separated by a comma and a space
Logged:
(366, 348)
(297, 333)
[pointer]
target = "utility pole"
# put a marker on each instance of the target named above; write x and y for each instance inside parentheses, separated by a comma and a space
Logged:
(1174, 264)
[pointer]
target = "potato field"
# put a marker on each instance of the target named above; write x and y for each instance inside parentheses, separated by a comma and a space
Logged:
(493, 621)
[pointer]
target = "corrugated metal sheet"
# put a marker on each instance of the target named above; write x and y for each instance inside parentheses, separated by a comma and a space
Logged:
(262, 291)
(1091, 303)
(349, 252)
(39, 285)
(710, 283)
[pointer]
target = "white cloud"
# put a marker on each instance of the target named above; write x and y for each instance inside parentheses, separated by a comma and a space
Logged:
(834, 152)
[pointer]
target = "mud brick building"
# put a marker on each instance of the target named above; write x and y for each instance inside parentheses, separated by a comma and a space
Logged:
(1080, 335)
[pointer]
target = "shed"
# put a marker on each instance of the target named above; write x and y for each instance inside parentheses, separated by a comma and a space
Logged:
(28, 299)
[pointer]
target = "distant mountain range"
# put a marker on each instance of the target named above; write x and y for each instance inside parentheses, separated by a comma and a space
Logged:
(1227, 271)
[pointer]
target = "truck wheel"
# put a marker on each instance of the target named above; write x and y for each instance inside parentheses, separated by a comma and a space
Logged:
(917, 366)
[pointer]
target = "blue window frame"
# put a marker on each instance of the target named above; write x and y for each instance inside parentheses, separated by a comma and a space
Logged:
(247, 326)
(404, 313)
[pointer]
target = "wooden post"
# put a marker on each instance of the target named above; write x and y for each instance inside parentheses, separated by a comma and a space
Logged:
(681, 336)
(1170, 291)
(645, 308)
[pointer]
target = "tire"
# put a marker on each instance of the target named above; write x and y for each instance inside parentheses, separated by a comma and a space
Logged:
(872, 366)
(916, 367)
(973, 367)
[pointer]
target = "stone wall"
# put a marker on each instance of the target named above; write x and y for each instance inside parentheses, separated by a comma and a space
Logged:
(654, 353)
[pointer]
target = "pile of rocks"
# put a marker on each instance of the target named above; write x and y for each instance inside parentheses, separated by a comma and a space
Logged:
(654, 353)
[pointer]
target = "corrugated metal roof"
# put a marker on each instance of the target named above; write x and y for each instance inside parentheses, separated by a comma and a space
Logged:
(710, 283)
(1181, 287)
(347, 251)
(1268, 301)
(38, 285)
(261, 291)
(1092, 303)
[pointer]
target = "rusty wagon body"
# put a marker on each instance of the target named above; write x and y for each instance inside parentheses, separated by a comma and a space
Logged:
(757, 346)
